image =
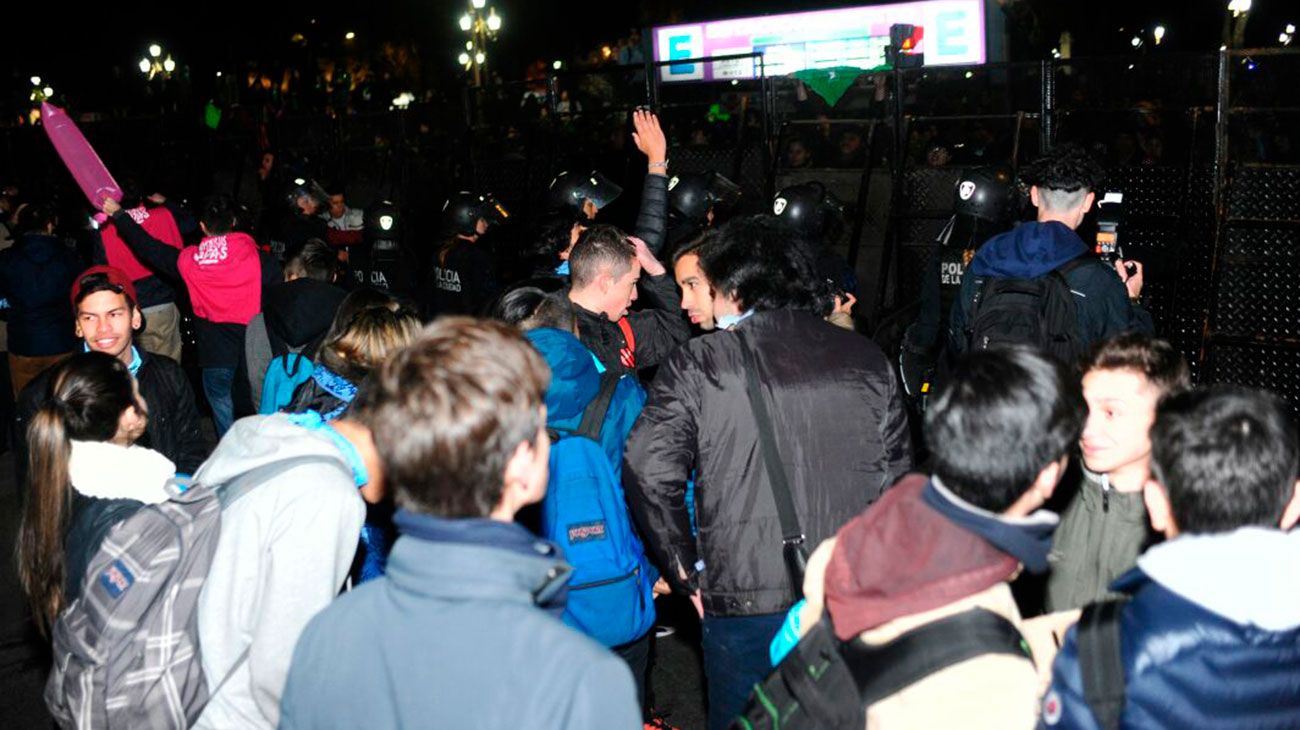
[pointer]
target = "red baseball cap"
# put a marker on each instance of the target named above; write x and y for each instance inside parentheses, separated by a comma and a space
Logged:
(116, 278)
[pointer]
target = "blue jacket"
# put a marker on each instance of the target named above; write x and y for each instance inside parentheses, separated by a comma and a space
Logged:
(1209, 639)
(36, 276)
(1031, 250)
(575, 381)
(460, 633)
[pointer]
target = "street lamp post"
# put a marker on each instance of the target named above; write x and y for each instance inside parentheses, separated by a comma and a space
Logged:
(157, 63)
(482, 24)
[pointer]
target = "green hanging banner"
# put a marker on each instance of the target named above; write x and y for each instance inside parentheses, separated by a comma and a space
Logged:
(212, 116)
(829, 83)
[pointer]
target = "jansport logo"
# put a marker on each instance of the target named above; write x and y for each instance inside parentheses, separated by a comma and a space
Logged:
(587, 531)
(116, 578)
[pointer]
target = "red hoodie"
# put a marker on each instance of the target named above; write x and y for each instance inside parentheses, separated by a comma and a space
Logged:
(224, 277)
(901, 557)
(158, 222)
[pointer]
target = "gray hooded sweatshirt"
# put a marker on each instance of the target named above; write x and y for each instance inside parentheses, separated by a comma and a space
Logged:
(284, 552)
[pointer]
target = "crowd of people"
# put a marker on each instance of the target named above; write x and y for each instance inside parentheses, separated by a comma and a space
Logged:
(446, 495)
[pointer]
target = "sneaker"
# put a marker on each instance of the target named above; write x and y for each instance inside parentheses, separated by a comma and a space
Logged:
(662, 631)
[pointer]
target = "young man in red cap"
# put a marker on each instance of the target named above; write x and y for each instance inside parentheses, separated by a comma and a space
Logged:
(107, 320)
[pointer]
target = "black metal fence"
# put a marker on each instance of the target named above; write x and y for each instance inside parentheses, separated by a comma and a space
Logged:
(1205, 148)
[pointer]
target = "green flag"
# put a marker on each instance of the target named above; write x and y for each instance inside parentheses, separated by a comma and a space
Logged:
(212, 116)
(829, 83)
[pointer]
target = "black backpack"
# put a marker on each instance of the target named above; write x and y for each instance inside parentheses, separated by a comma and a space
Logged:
(826, 683)
(1037, 312)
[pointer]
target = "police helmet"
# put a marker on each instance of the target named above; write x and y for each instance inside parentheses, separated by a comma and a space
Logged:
(692, 195)
(383, 221)
(462, 211)
(988, 193)
(808, 208)
(570, 189)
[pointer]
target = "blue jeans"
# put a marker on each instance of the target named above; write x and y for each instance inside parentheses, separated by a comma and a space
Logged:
(735, 659)
(217, 383)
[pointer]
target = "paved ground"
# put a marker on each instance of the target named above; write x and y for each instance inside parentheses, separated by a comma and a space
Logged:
(677, 676)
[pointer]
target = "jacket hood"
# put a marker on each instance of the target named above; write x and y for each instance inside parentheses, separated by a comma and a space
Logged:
(575, 382)
(1027, 251)
(881, 571)
(1245, 576)
(260, 440)
(300, 311)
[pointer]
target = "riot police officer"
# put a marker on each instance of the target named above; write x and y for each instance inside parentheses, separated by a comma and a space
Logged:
(816, 216)
(694, 201)
(986, 201)
(464, 273)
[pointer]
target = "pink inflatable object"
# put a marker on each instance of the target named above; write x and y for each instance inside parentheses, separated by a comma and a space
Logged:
(79, 157)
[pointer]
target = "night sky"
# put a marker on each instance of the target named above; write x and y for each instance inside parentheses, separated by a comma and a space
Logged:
(79, 51)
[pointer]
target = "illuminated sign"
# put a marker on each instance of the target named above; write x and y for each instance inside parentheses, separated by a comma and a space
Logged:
(953, 34)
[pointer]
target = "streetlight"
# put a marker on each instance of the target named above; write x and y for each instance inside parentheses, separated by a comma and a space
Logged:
(349, 36)
(36, 81)
(1158, 34)
(482, 23)
(156, 63)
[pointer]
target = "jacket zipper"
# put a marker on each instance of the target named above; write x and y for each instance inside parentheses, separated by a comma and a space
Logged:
(607, 581)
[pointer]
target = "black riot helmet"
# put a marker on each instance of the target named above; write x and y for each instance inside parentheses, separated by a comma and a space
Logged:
(693, 195)
(988, 193)
(462, 211)
(808, 208)
(301, 188)
(383, 224)
(570, 189)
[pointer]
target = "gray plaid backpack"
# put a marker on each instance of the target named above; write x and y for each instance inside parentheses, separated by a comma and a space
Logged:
(126, 651)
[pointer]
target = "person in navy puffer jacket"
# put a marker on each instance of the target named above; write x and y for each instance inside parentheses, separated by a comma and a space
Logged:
(35, 276)
(1210, 636)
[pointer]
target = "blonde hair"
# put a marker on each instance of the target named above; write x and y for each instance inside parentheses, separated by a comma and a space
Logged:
(370, 336)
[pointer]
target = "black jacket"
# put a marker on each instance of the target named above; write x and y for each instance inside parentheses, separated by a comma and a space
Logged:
(464, 279)
(841, 432)
(658, 328)
(36, 276)
(173, 429)
(652, 219)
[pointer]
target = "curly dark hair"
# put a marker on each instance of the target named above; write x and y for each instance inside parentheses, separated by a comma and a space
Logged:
(1068, 168)
(756, 260)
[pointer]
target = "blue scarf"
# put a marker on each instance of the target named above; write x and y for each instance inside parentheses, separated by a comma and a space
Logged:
(1027, 539)
(337, 386)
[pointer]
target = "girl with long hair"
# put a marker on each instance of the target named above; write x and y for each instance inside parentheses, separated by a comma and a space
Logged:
(85, 476)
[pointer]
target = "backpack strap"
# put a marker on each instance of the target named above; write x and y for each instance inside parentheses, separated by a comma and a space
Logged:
(881, 671)
(593, 416)
(792, 535)
(236, 488)
(1074, 263)
(627, 355)
(1101, 664)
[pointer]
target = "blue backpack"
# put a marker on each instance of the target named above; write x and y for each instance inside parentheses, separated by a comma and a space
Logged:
(611, 596)
(283, 376)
